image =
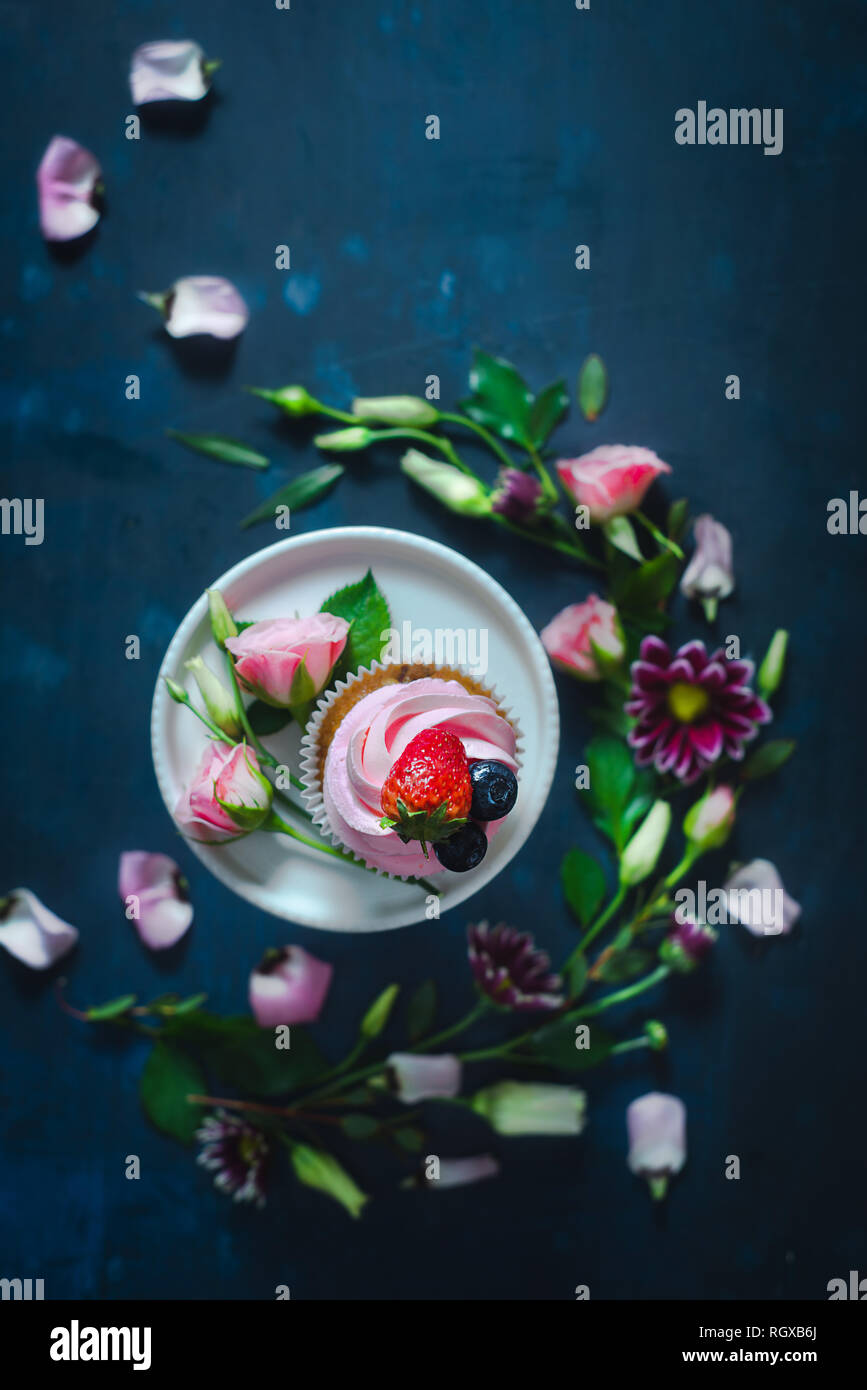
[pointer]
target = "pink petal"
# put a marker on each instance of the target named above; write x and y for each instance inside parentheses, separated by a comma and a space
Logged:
(168, 70)
(160, 913)
(289, 988)
(65, 180)
(206, 304)
(33, 934)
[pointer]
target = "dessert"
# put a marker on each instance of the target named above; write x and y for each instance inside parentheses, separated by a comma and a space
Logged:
(411, 767)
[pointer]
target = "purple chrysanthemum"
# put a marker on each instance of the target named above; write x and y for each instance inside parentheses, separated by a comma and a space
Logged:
(691, 708)
(509, 969)
(237, 1153)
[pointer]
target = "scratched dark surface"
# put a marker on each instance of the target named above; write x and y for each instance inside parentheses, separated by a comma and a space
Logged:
(557, 129)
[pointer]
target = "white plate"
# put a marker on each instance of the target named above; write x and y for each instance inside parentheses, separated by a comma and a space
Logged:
(432, 587)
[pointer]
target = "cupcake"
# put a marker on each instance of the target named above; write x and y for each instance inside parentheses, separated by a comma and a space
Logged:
(412, 768)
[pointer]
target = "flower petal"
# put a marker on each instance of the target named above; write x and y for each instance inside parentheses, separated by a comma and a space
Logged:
(33, 934)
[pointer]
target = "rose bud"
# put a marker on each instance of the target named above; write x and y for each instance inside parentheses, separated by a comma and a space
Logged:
(687, 943)
(219, 703)
(170, 70)
(67, 181)
(708, 823)
(585, 639)
(527, 1107)
(414, 1077)
(709, 576)
(222, 623)
(396, 410)
(154, 892)
(641, 853)
(455, 489)
(288, 986)
(611, 480)
(518, 496)
(287, 661)
(228, 797)
(657, 1139)
(758, 900)
(457, 1172)
(32, 934)
(201, 304)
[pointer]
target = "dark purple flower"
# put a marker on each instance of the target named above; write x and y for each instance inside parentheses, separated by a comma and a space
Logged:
(691, 708)
(517, 495)
(687, 943)
(238, 1155)
(509, 969)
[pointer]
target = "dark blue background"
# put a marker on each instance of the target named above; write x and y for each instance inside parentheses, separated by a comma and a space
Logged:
(557, 128)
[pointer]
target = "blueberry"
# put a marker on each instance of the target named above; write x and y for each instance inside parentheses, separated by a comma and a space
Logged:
(495, 790)
(463, 850)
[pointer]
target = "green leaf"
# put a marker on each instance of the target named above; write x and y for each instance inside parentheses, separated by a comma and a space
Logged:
(625, 965)
(359, 1126)
(678, 516)
(583, 884)
(113, 1009)
(555, 1044)
(421, 1010)
(768, 758)
(576, 979)
(169, 1076)
(547, 410)
(410, 1138)
(321, 1170)
(216, 446)
(377, 1016)
(188, 1006)
(299, 492)
(645, 588)
(620, 533)
(592, 387)
(364, 607)
(267, 719)
(501, 399)
(245, 1056)
(619, 792)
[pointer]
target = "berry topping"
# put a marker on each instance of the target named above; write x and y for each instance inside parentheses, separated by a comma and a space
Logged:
(427, 793)
(495, 790)
(464, 850)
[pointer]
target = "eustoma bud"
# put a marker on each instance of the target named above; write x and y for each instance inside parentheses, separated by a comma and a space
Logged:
(414, 1077)
(585, 639)
(773, 665)
(396, 410)
(345, 441)
(656, 1124)
(525, 1107)
(170, 70)
(708, 823)
(219, 703)
(222, 622)
(228, 798)
(199, 304)
(449, 485)
(643, 850)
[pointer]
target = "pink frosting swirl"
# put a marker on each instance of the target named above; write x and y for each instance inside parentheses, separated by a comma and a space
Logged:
(371, 738)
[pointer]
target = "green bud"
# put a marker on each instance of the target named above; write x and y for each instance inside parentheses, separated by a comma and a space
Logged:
(177, 692)
(378, 1014)
(396, 410)
(294, 400)
(345, 441)
(222, 622)
(528, 1107)
(449, 485)
(219, 702)
(642, 852)
(316, 1168)
(708, 822)
(771, 669)
(672, 953)
(657, 1034)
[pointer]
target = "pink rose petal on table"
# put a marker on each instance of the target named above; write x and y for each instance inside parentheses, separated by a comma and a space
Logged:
(31, 933)
(160, 910)
(289, 986)
(66, 182)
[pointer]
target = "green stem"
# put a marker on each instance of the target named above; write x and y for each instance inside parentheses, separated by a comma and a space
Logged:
(493, 444)
(563, 547)
(475, 1013)
(548, 484)
(665, 542)
(595, 928)
(631, 1045)
(433, 441)
(252, 737)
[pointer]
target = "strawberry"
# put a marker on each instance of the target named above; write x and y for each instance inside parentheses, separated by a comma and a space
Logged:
(427, 793)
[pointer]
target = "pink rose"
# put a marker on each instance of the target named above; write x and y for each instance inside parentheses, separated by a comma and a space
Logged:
(610, 480)
(289, 986)
(578, 636)
(66, 182)
(287, 661)
(228, 796)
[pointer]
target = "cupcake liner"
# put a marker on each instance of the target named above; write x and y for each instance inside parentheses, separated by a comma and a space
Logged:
(312, 793)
